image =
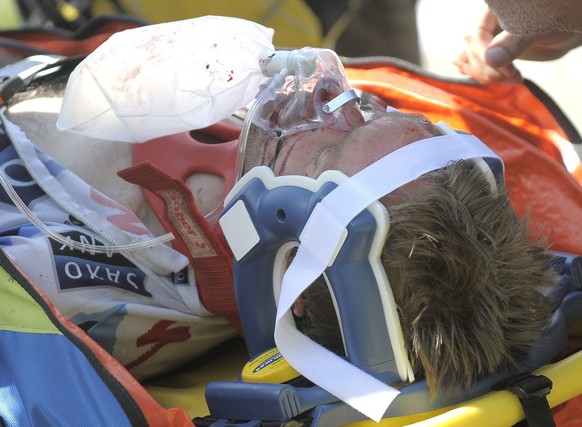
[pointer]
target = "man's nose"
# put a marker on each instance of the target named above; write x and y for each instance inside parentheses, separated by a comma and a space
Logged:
(320, 103)
(335, 107)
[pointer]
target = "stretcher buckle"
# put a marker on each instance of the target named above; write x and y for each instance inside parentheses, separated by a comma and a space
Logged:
(526, 386)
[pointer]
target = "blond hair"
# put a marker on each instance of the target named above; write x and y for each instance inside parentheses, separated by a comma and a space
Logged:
(468, 280)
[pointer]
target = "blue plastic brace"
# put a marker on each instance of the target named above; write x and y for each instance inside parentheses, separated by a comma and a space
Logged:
(278, 210)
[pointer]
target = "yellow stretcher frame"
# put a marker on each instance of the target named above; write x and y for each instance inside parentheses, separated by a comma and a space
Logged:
(502, 407)
(498, 408)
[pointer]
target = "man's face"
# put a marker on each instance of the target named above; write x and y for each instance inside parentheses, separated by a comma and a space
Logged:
(538, 16)
(311, 152)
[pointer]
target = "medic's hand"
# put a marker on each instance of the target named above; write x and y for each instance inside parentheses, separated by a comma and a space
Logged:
(490, 52)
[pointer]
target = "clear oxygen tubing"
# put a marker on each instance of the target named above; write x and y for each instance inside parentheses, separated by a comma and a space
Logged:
(267, 92)
(107, 249)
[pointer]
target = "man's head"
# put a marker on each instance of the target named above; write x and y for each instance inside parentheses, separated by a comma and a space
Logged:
(538, 16)
(468, 282)
(350, 149)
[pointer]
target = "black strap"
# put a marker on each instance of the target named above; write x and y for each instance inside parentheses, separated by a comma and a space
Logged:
(532, 391)
(11, 84)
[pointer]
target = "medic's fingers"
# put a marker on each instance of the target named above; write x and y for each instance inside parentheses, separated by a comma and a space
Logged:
(505, 48)
(473, 62)
(473, 65)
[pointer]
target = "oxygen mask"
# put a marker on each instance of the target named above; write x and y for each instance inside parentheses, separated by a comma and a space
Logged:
(306, 90)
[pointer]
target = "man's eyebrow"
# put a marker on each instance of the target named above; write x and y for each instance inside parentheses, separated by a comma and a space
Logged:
(423, 121)
(413, 117)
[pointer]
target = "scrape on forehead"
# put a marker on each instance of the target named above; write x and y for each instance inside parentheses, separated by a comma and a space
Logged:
(416, 121)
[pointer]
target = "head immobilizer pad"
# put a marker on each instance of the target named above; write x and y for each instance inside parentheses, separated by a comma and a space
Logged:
(271, 213)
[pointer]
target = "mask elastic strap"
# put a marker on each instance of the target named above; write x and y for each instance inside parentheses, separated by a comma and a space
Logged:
(320, 240)
(339, 101)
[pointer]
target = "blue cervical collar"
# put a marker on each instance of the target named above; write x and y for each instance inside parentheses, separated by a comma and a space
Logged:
(278, 208)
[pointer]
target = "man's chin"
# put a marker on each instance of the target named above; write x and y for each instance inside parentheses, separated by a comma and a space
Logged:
(512, 18)
(513, 25)
(514, 21)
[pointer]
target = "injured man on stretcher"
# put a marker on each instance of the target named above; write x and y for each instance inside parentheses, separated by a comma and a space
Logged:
(471, 285)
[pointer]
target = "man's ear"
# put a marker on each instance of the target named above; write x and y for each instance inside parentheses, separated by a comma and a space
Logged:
(299, 307)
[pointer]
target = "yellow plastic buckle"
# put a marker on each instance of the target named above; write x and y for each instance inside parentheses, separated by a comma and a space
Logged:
(269, 367)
